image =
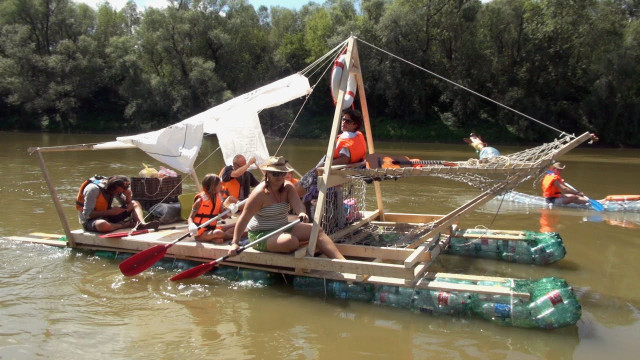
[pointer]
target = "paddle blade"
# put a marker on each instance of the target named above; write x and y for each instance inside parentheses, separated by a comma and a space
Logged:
(596, 205)
(194, 272)
(143, 260)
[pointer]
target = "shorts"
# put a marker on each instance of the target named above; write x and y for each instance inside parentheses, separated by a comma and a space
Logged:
(90, 225)
(554, 200)
(257, 234)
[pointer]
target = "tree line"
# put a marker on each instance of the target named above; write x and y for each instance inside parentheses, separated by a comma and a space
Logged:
(574, 65)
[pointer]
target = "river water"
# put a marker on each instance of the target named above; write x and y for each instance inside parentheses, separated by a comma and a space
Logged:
(58, 303)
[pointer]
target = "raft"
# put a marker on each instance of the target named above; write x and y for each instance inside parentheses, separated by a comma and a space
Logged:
(610, 203)
(547, 303)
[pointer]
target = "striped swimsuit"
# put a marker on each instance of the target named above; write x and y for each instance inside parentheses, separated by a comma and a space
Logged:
(266, 220)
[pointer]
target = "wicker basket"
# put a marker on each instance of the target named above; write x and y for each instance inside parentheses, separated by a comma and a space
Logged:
(156, 188)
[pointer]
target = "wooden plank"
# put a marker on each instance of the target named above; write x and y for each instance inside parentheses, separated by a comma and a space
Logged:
(35, 240)
(383, 253)
(419, 252)
(411, 218)
(353, 227)
(490, 236)
(45, 235)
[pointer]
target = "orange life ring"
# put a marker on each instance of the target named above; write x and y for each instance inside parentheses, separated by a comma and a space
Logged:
(623, 198)
(336, 76)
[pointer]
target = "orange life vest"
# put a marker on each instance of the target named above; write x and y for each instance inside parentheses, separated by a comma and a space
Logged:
(206, 211)
(231, 187)
(102, 202)
(549, 190)
(357, 147)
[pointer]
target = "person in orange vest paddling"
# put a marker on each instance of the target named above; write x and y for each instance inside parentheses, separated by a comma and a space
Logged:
(556, 192)
(206, 205)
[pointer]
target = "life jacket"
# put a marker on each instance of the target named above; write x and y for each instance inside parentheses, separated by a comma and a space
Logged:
(206, 211)
(231, 187)
(103, 202)
(357, 147)
(548, 189)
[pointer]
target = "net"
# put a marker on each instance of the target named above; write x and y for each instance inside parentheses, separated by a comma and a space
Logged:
(482, 174)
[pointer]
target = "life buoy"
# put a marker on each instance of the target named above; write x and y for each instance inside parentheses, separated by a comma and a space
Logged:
(336, 76)
(623, 198)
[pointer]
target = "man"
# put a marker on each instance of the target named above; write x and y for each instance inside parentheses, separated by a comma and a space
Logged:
(556, 192)
(94, 203)
(484, 151)
(236, 180)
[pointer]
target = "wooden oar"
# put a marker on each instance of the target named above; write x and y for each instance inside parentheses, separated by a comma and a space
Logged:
(379, 161)
(146, 258)
(201, 269)
(597, 206)
(138, 232)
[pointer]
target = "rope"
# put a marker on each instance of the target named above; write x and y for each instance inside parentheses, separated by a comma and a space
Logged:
(465, 88)
(306, 99)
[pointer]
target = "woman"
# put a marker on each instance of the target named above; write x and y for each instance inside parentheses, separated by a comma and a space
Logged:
(206, 205)
(266, 210)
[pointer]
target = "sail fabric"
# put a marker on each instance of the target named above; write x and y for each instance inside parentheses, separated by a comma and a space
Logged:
(235, 123)
(176, 145)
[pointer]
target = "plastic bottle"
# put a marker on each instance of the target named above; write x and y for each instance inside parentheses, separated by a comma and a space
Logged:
(395, 296)
(356, 291)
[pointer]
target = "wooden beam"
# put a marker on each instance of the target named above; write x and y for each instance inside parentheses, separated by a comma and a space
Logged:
(55, 198)
(328, 162)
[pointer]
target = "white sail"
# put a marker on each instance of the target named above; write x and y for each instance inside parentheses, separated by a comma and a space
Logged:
(235, 123)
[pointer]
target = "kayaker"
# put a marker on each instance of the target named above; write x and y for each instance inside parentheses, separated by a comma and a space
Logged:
(556, 192)
(95, 210)
(206, 205)
(267, 209)
(483, 150)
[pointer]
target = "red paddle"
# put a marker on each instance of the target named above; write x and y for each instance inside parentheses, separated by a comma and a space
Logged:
(146, 258)
(201, 269)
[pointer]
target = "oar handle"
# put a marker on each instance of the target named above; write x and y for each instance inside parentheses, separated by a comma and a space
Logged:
(201, 269)
(251, 244)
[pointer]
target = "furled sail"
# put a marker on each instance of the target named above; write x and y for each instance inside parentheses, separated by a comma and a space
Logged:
(235, 123)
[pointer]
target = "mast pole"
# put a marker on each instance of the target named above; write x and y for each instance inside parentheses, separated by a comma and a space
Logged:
(367, 125)
(322, 181)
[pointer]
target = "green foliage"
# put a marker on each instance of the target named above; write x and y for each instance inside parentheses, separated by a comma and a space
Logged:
(572, 64)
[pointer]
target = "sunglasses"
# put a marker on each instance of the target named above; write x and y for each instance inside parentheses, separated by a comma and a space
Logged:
(347, 120)
(278, 173)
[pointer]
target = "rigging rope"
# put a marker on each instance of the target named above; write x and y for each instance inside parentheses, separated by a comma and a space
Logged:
(467, 89)
(328, 57)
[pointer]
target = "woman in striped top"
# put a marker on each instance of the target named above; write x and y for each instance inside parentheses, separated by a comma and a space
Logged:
(266, 210)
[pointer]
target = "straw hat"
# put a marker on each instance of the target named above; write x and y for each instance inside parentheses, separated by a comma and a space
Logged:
(558, 165)
(276, 163)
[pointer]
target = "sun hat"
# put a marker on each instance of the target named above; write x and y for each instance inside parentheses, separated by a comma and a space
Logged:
(558, 165)
(276, 163)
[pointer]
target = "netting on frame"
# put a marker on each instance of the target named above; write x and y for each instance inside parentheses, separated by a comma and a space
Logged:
(482, 174)
(344, 205)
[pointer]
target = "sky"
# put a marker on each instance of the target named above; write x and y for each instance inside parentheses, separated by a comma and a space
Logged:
(118, 4)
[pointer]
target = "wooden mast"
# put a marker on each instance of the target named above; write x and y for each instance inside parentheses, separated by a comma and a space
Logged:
(352, 66)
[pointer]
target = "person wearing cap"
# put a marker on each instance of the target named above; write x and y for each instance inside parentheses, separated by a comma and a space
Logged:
(267, 210)
(556, 192)
(95, 210)
(483, 150)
